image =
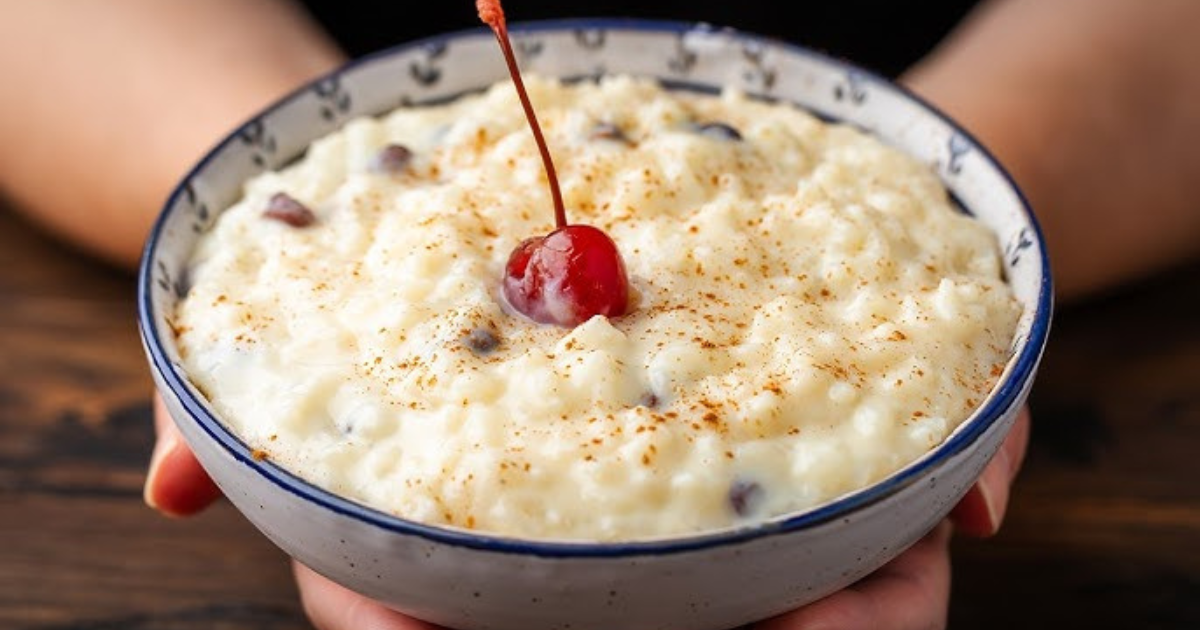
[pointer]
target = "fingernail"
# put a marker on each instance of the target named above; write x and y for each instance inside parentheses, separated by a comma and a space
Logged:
(166, 444)
(989, 504)
(995, 479)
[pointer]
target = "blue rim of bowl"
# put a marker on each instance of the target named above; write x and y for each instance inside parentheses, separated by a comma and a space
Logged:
(1003, 397)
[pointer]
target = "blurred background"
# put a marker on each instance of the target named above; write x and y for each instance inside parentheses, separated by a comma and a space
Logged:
(884, 36)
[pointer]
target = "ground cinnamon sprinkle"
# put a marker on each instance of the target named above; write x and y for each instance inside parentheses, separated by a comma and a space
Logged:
(775, 327)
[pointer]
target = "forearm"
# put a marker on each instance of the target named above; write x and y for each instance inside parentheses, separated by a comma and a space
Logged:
(1092, 105)
(109, 103)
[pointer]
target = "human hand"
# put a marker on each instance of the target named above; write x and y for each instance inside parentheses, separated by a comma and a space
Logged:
(910, 592)
(177, 486)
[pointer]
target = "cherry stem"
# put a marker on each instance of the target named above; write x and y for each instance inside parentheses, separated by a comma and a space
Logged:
(493, 15)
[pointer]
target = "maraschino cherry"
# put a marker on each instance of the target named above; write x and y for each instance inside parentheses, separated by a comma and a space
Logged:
(574, 272)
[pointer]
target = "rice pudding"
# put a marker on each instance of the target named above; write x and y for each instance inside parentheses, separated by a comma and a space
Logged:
(809, 313)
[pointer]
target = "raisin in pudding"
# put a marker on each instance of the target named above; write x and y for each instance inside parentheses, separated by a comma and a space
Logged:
(807, 313)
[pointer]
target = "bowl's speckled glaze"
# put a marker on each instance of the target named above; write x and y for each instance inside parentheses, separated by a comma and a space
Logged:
(714, 580)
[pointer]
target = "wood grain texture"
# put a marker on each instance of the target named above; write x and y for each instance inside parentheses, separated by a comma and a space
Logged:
(1104, 527)
(80, 548)
(1103, 531)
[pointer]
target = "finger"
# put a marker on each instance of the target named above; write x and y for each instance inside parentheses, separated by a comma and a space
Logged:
(333, 607)
(981, 511)
(176, 484)
(911, 592)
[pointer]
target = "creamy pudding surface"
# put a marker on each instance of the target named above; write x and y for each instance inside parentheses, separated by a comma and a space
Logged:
(809, 313)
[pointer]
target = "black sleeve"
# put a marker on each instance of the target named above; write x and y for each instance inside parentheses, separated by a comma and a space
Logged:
(883, 35)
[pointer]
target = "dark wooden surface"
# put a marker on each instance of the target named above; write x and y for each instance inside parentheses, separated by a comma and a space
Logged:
(1103, 532)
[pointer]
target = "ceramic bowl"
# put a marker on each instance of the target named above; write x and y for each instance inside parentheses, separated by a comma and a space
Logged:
(715, 580)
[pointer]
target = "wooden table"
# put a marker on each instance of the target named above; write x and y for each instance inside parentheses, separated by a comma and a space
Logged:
(1104, 530)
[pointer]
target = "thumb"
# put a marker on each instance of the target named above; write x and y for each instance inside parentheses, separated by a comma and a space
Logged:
(176, 484)
(981, 511)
